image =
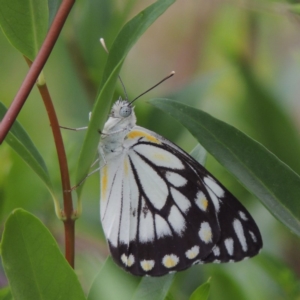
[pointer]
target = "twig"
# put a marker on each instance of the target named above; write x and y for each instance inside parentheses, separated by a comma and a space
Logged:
(68, 213)
(36, 68)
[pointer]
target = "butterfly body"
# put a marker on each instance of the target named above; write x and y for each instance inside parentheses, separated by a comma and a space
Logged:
(161, 211)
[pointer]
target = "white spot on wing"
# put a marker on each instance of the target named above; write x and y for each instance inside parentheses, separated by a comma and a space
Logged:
(176, 220)
(192, 253)
(253, 236)
(128, 261)
(147, 265)
(162, 227)
(215, 187)
(201, 201)
(243, 216)
(153, 185)
(229, 245)
(182, 202)
(159, 157)
(239, 231)
(146, 229)
(170, 260)
(175, 179)
(216, 251)
(205, 232)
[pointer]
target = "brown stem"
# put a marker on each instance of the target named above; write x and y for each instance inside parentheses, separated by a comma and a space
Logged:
(36, 68)
(65, 178)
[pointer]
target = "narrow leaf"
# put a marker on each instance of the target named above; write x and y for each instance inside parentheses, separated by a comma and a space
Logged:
(202, 292)
(5, 294)
(20, 141)
(53, 6)
(199, 154)
(112, 283)
(33, 263)
(127, 37)
(25, 24)
(151, 288)
(270, 123)
(260, 171)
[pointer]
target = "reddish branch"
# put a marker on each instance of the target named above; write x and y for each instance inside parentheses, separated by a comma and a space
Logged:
(13, 111)
(36, 68)
(69, 222)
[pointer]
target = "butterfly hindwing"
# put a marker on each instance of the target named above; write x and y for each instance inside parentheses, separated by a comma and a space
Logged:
(239, 235)
(162, 211)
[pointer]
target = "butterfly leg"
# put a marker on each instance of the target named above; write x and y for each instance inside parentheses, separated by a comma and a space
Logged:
(74, 129)
(99, 159)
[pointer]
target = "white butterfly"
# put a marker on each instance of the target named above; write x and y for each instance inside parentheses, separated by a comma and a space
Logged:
(162, 211)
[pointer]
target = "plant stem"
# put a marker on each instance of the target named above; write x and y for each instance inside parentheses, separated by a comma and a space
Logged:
(36, 68)
(69, 221)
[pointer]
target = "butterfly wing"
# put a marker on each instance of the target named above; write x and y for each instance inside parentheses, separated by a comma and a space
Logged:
(162, 211)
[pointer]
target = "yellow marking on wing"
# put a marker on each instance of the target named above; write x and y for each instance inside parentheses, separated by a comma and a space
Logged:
(192, 253)
(147, 265)
(126, 167)
(104, 182)
(170, 261)
(136, 134)
(204, 203)
(207, 235)
(160, 156)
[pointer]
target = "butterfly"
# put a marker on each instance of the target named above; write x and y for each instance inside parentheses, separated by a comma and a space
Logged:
(161, 211)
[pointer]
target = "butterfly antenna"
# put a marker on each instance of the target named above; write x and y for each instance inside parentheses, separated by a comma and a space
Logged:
(164, 79)
(105, 48)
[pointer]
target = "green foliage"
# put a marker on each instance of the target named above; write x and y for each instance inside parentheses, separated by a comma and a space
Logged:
(202, 292)
(112, 283)
(33, 263)
(25, 24)
(246, 159)
(153, 288)
(231, 61)
(5, 294)
(20, 141)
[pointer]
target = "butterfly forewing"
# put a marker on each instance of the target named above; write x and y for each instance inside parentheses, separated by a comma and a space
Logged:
(162, 211)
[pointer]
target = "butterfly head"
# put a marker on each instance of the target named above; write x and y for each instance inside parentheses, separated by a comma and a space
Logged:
(121, 109)
(121, 116)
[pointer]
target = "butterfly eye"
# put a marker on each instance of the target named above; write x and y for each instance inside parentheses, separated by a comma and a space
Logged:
(125, 111)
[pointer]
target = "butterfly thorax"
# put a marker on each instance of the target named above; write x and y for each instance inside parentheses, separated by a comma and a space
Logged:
(120, 122)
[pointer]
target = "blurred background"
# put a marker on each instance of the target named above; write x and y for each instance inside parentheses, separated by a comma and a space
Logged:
(237, 60)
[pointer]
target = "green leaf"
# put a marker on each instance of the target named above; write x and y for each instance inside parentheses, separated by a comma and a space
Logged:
(33, 263)
(127, 37)
(112, 283)
(284, 276)
(20, 141)
(5, 294)
(25, 24)
(271, 123)
(202, 292)
(260, 171)
(53, 6)
(151, 288)
(199, 154)
(192, 94)
(227, 287)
